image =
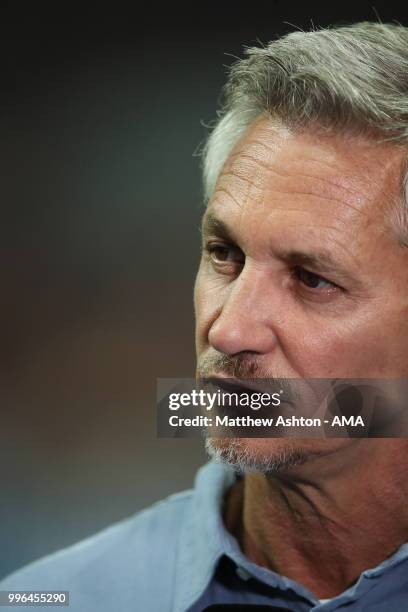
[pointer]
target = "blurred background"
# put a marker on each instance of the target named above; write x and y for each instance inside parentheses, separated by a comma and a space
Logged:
(102, 109)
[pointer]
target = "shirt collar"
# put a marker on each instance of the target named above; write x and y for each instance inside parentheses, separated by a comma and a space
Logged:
(204, 540)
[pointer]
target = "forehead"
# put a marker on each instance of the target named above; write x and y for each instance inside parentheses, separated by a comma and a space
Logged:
(311, 178)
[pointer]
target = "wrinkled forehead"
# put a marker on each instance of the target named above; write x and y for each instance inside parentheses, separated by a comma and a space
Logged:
(363, 176)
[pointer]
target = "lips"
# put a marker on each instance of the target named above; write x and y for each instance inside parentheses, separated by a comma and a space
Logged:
(244, 385)
(230, 385)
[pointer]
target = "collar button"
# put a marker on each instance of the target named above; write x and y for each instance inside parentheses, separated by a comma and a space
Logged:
(242, 573)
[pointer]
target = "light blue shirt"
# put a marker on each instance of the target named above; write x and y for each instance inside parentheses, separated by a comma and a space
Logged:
(168, 559)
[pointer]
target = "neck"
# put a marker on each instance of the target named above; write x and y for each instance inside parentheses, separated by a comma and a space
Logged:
(325, 522)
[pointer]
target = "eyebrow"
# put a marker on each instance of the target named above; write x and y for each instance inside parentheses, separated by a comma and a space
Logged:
(321, 260)
(213, 225)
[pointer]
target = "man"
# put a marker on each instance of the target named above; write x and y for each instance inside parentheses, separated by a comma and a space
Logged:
(304, 274)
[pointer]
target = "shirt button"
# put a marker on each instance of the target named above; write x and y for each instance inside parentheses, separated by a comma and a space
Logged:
(242, 573)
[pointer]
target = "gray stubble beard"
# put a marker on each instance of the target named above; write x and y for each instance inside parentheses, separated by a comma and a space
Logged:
(232, 452)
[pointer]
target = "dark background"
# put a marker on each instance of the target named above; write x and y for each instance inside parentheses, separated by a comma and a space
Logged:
(101, 111)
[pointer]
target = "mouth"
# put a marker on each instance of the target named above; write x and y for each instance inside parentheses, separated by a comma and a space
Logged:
(233, 384)
(248, 386)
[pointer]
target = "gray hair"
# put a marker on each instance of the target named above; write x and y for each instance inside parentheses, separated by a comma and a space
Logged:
(351, 78)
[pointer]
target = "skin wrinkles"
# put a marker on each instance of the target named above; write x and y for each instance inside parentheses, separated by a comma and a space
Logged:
(256, 145)
(270, 169)
(308, 160)
(330, 160)
(322, 260)
(354, 206)
(293, 194)
(313, 227)
(298, 211)
(225, 191)
(255, 316)
(250, 182)
(346, 220)
(333, 165)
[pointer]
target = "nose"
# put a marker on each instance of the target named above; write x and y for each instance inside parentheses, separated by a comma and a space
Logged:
(244, 319)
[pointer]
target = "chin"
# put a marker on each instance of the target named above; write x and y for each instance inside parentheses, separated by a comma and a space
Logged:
(267, 455)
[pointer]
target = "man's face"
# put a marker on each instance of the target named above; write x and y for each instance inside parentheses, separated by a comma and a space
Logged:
(302, 275)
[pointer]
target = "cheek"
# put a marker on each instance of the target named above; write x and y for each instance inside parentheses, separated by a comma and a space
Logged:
(309, 354)
(316, 347)
(339, 352)
(207, 305)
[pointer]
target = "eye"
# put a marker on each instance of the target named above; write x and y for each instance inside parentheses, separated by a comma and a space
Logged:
(312, 280)
(222, 254)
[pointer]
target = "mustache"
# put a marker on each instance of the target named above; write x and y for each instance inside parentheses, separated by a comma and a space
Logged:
(240, 366)
(244, 366)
